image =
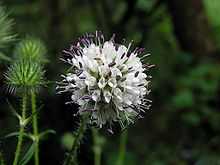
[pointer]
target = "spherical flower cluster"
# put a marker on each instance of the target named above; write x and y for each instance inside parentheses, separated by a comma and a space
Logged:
(107, 80)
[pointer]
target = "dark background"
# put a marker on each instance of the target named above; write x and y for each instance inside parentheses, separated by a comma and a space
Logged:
(183, 36)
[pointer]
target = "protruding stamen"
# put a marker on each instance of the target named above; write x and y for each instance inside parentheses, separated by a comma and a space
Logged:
(136, 74)
(112, 64)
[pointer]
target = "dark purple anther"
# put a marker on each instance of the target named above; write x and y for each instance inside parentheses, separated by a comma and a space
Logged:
(141, 85)
(136, 74)
(86, 97)
(123, 55)
(68, 53)
(80, 65)
(140, 50)
(79, 72)
(82, 78)
(112, 64)
(128, 54)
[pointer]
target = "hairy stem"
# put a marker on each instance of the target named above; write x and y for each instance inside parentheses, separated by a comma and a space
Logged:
(122, 148)
(35, 127)
(97, 147)
(71, 158)
(21, 131)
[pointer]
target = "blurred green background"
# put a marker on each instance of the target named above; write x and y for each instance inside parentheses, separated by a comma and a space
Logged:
(183, 125)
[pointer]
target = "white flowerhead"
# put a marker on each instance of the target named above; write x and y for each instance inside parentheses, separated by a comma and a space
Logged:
(107, 80)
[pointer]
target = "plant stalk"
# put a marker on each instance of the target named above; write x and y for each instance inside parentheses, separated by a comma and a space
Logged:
(97, 147)
(21, 131)
(35, 127)
(2, 162)
(122, 148)
(71, 158)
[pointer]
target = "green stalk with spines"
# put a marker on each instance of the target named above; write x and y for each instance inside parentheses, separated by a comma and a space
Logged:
(32, 49)
(35, 127)
(21, 131)
(71, 158)
(25, 76)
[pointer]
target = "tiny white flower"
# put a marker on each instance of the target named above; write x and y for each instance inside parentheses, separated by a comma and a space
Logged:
(96, 95)
(107, 80)
(107, 95)
(102, 83)
(112, 82)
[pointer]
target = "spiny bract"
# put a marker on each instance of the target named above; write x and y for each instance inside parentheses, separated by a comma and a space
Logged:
(30, 48)
(107, 80)
(24, 75)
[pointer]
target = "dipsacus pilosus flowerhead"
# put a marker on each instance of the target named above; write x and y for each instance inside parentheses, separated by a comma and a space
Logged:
(24, 75)
(107, 80)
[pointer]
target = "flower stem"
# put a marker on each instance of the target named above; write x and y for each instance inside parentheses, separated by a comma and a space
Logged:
(21, 131)
(35, 127)
(71, 158)
(97, 147)
(2, 162)
(122, 148)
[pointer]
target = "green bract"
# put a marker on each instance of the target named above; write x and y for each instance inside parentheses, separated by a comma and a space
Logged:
(31, 48)
(6, 34)
(24, 75)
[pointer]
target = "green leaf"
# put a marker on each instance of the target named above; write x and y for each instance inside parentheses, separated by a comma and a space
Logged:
(29, 119)
(4, 57)
(13, 110)
(16, 134)
(45, 133)
(27, 157)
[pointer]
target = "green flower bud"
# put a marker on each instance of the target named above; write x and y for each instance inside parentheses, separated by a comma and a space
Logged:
(32, 49)
(24, 75)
